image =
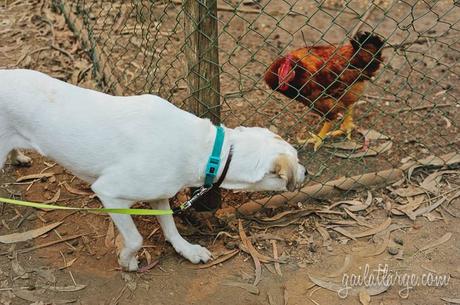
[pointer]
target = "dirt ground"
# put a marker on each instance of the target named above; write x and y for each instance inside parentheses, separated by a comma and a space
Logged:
(338, 237)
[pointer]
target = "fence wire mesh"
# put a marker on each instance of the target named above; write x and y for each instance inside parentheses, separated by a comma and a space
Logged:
(410, 107)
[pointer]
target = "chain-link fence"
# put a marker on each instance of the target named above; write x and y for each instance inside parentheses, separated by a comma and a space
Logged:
(211, 58)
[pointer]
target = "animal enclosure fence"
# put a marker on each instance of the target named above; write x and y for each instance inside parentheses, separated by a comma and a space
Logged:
(210, 57)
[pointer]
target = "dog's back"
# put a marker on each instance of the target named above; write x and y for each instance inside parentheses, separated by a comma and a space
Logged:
(83, 130)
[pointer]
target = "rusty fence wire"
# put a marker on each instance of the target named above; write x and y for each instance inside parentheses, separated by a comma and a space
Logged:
(409, 110)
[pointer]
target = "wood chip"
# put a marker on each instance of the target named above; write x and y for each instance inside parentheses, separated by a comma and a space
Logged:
(31, 234)
(364, 297)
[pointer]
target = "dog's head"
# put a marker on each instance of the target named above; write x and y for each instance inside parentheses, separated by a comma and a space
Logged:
(262, 161)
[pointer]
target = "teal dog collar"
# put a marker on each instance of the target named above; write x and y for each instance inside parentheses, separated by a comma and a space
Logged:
(212, 167)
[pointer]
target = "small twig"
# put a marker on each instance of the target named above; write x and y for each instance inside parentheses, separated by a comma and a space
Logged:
(275, 256)
(51, 243)
(389, 99)
(28, 212)
(115, 300)
(73, 279)
(418, 108)
(30, 53)
(62, 51)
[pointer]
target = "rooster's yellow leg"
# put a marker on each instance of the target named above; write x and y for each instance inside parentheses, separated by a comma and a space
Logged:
(347, 125)
(317, 139)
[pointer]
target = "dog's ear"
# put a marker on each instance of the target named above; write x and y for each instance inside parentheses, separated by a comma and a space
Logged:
(285, 170)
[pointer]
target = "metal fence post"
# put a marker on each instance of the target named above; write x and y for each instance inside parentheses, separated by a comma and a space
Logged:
(202, 56)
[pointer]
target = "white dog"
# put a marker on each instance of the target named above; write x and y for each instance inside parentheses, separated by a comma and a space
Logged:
(135, 148)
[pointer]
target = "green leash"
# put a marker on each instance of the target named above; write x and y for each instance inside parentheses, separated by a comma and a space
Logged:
(94, 210)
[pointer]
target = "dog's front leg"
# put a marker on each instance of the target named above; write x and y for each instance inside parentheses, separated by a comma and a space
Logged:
(194, 253)
(132, 240)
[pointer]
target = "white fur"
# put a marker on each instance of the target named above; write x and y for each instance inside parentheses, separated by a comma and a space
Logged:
(132, 148)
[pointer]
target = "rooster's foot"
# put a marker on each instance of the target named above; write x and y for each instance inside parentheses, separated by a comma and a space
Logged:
(316, 140)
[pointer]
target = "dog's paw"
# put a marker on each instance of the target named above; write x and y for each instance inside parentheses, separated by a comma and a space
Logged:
(194, 253)
(22, 160)
(128, 263)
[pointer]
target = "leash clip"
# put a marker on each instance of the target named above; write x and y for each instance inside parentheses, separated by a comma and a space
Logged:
(196, 195)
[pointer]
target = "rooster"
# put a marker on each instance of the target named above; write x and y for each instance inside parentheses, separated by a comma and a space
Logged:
(328, 79)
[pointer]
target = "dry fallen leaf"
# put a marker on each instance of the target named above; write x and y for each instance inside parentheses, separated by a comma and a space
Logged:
(66, 288)
(409, 191)
(31, 234)
(68, 264)
(339, 288)
(18, 269)
(34, 176)
(252, 251)
(372, 134)
(248, 287)
(375, 230)
(34, 297)
(275, 256)
(344, 145)
(219, 260)
(346, 265)
(371, 151)
(437, 242)
(452, 301)
(55, 198)
(46, 274)
(432, 182)
(424, 210)
(75, 191)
